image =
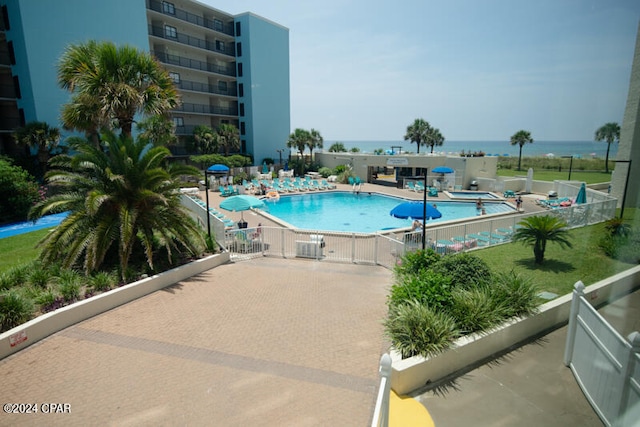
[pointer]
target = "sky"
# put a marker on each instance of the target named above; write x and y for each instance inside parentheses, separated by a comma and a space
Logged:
(476, 70)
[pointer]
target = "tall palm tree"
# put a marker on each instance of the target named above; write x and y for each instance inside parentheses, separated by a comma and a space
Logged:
(538, 230)
(123, 200)
(315, 141)
(520, 138)
(159, 130)
(121, 80)
(434, 137)
(41, 138)
(228, 138)
(299, 140)
(82, 113)
(609, 133)
(206, 140)
(418, 132)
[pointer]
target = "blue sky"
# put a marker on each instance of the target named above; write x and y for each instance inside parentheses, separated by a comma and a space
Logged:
(477, 70)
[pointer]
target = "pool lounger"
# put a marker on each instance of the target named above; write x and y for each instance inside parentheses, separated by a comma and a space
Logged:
(467, 242)
(494, 236)
(482, 240)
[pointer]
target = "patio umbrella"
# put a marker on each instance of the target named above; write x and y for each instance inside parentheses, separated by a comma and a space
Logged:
(443, 169)
(218, 168)
(265, 168)
(414, 210)
(581, 198)
(241, 203)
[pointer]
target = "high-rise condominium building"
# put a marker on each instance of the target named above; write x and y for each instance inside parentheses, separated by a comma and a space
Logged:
(228, 68)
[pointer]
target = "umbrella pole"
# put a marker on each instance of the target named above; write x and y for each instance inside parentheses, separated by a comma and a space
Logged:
(424, 210)
(206, 192)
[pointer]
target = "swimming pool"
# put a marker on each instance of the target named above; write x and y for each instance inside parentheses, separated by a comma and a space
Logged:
(29, 226)
(472, 195)
(363, 213)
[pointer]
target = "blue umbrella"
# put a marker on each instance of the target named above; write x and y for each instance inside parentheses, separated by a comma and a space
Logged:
(442, 169)
(265, 169)
(581, 198)
(218, 168)
(414, 210)
(241, 203)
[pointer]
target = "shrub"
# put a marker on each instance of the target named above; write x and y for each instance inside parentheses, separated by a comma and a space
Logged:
(39, 276)
(102, 281)
(425, 287)
(69, 285)
(15, 276)
(15, 309)
(45, 298)
(325, 172)
(467, 270)
(18, 191)
(475, 310)
(617, 227)
(414, 328)
(625, 248)
(416, 261)
(514, 295)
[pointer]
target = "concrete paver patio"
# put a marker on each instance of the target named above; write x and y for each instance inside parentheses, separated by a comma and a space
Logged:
(263, 342)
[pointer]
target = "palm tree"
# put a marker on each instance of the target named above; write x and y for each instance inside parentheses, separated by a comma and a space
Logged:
(158, 130)
(122, 81)
(228, 138)
(41, 138)
(315, 141)
(418, 132)
(123, 201)
(206, 140)
(299, 140)
(521, 137)
(337, 147)
(609, 133)
(538, 230)
(82, 114)
(434, 137)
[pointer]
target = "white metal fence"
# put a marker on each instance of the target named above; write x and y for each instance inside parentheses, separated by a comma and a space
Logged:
(606, 366)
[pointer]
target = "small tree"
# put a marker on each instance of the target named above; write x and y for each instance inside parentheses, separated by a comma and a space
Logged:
(418, 132)
(538, 230)
(41, 138)
(520, 138)
(18, 192)
(337, 147)
(609, 133)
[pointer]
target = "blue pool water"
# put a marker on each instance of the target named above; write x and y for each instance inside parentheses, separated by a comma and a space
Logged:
(472, 195)
(28, 226)
(364, 212)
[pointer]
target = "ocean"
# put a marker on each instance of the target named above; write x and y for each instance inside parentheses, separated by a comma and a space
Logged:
(578, 149)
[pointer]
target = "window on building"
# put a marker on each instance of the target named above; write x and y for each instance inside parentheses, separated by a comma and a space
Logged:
(16, 87)
(178, 121)
(175, 77)
(168, 8)
(243, 129)
(12, 54)
(170, 32)
(242, 109)
(241, 89)
(222, 86)
(239, 69)
(21, 116)
(5, 18)
(217, 25)
(224, 121)
(239, 49)
(219, 45)
(238, 32)
(243, 145)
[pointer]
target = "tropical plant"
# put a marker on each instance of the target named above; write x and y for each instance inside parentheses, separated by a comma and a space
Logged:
(617, 227)
(15, 309)
(608, 133)
(205, 139)
(520, 138)
(111, 84)
(474, 310)
(434, 137)
(123, 199)
(513, 294)
(315, 141)
(337, 147)
(102, 281)
(426, 287)
(466, 269)
(416, 261)
(18, 191)
(228, 138)
(69, 285)
(158, 130)
(299, 140)
(540, 229)
(41, 138)
(354, 150)
(418, 132)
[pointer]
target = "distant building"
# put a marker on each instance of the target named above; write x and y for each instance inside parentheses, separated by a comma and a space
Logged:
(228, 69)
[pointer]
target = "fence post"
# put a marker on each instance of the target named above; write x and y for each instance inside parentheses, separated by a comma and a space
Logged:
(353, 247)
(381, 411)
(627, 368)
(578, 292)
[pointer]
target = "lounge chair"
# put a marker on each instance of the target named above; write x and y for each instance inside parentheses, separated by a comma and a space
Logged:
(410, 186)
(433, 192)
(482, 240)
(494, 236)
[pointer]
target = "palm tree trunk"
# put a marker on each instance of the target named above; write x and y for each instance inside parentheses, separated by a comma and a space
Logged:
(520, 158)
(606, 160)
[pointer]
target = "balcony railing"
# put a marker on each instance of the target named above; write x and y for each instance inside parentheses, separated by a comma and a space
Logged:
(207, 88)
(7, 91)
(229, 48)
(185, 130)
(207, 109)
(195, 64)
(9, 123)
(183, 15)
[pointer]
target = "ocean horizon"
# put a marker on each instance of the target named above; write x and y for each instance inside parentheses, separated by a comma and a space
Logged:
(578, 149)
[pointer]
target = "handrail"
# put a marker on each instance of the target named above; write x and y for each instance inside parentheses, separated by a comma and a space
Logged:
(381, 410)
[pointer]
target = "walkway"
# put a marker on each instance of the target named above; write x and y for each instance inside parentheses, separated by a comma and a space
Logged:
(260, 343)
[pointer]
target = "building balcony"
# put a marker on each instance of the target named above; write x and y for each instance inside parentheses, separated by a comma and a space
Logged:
(207, 109)
(195, 64)
(192, 18)
(231, 90)
(7, 92)
(228, 49)
(9, 124)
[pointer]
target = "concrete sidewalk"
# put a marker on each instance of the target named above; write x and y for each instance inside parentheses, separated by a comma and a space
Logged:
(529, 386)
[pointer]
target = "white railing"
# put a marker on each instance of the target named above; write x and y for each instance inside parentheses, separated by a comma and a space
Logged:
(381, 410)
(605, 365)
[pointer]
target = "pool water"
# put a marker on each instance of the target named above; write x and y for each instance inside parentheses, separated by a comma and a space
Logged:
(46, 221)
(363, 213)
(472, 195)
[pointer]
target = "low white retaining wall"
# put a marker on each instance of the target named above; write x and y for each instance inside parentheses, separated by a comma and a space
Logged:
(41, 327)
(416, 372)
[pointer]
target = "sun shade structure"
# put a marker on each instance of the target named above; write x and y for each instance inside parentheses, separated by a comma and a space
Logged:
(218, 168)
(415, 210)
(581, 198)
(241, 203)
(442, 169)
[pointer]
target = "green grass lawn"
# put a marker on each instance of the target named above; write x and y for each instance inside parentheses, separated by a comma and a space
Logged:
(552, 175)
(20, 249)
